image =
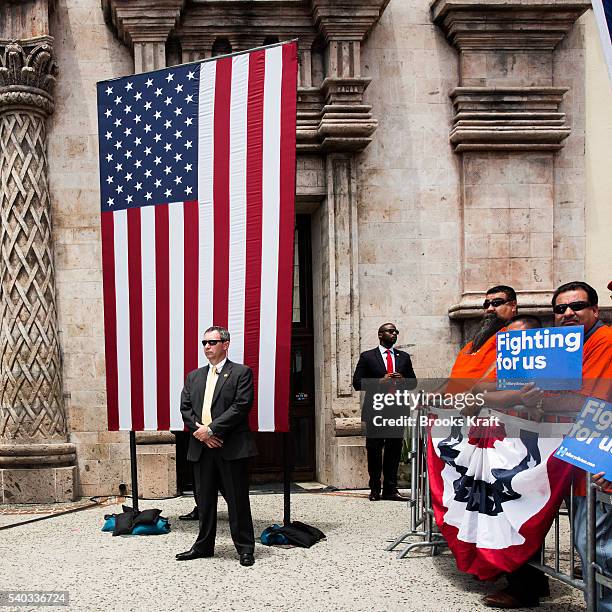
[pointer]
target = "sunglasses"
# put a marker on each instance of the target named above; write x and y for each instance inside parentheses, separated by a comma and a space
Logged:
(211, 342)
(495, 302)
(391, 331)
(575, 306)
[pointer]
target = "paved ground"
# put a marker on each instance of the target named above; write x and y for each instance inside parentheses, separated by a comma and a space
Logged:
(348, 571)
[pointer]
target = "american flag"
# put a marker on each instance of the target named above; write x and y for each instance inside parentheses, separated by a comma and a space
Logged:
(603, 15)
(197, 175)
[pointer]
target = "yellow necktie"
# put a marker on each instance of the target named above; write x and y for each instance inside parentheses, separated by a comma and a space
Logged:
(211, 382)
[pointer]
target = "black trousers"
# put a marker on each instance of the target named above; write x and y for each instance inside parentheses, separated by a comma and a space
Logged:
(212, 471)
(383, 456)
(528, 583)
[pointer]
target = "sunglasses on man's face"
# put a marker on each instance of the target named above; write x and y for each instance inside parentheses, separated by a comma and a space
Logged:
(495, 302)
(211, 342)
(391, 331)
(575, 306)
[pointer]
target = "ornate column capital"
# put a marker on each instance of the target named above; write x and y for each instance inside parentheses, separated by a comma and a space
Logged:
(28, 73)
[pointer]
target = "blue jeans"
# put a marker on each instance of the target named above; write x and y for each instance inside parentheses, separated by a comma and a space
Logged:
(603, 539)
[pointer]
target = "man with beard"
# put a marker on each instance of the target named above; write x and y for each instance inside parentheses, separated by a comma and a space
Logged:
(476, 357)
(574, 303)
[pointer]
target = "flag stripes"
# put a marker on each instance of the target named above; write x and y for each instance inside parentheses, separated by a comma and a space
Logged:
(172, 269)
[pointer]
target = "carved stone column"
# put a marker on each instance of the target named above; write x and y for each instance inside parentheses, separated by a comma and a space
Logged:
(507, 127)
(36, 460)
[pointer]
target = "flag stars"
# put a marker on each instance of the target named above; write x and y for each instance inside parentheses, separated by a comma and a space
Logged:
(168, 101)
(128, 154)
(168, 124)
(118, 145)
(117, 122)
(118, 100)
(168, 146)
(128, 176)
(137, 119)
(138, 141)
(128, 109)
(178, 111)
(147, 150)
(138, 96)
(108, 112)
(170, 77)
(119, 167)
(158, 92)
(147, 173)
(158, 182)
(178, 180)
(188, 121)
(157, 138)
(109, 157)
(178, 157)
(167, 170)
(109, 91)
(178, 134)
(119, 188)
(157, 161)
(188, 190)
(147, 106)
(149, 82)
(191, 76)
(157, 114)
(108, 135)
(188, 167)
(168, 193)
(147, 128)
(138, 163)
(188, 144)
(109, 179)
(129, 199)
(148, 196)
(138, 186)
(178, 88)
(128, 131)
(189, 98)
(129, 87)
(111, 201)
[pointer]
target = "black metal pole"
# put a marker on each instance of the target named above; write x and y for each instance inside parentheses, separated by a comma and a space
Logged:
(134, 466)
(287, 477)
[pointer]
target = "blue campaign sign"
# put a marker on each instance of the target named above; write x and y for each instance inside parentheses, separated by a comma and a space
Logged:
(589, 443)
(551, 358)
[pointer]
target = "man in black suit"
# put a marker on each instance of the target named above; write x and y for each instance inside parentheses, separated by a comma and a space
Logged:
(215, 405)
(384, 362)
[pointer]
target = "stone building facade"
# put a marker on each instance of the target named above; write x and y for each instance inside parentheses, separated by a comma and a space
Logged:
(442, 148)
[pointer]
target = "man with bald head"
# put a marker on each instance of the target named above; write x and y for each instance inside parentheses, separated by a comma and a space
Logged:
(383, 363)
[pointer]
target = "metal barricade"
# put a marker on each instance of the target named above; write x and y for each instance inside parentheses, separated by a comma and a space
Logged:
(422, 523)
(422, 526)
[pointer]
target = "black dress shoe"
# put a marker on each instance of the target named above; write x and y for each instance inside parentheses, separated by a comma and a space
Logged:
(247, 559)
(374, 496)
(194, 515)
(393, 496)
(190, 554)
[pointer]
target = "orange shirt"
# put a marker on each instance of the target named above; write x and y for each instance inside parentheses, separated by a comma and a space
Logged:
(474, 366)
(597, 381)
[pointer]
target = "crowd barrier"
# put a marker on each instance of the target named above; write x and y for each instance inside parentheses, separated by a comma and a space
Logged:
(422, 526)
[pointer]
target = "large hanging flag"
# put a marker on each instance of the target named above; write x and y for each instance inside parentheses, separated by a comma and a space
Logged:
(603, 15)
(197, 174)
(495, 490)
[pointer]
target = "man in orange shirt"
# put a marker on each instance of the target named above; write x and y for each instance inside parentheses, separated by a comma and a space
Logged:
(576, 303)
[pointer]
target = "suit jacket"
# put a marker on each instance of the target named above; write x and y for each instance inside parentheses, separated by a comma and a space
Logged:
(371, 365)
(231, 403)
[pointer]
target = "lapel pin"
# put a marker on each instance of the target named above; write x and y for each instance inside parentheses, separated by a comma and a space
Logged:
(226, 375)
